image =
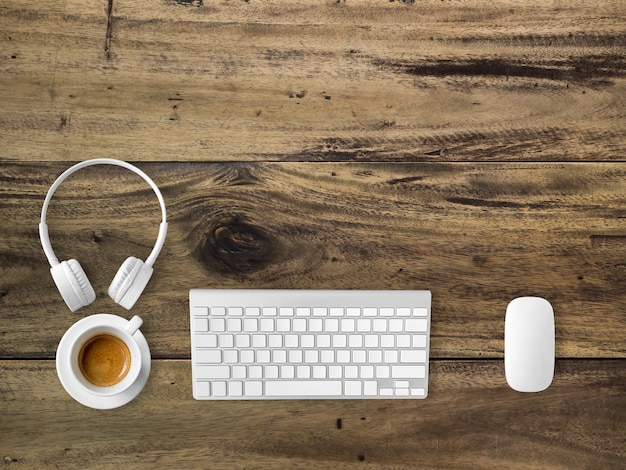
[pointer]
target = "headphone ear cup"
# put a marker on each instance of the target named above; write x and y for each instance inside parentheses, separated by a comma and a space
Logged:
(130, 281)
(73, 284)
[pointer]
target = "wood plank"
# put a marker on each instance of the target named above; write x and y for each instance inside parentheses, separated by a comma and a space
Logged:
(330, 81)
(476, 235)
(471, 417)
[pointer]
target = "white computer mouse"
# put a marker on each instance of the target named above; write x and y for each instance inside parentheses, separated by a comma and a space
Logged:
(529, 344)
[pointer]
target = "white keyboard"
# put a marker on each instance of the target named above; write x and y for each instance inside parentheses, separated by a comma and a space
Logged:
(298, 344)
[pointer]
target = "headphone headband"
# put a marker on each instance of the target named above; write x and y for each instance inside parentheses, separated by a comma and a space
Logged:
(43, 227)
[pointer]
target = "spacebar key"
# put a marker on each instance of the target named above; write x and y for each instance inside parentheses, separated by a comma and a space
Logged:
(302, 388)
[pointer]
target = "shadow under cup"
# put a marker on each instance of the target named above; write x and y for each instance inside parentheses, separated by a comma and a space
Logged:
(106, 360)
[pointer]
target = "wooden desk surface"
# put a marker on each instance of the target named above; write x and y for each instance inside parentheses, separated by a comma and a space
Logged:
(476, 149)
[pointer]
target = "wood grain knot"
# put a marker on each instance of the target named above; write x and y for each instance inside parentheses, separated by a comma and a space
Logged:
(237, 246)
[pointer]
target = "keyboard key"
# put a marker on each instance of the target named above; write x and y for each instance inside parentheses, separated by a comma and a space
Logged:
(235, 388)
(269, 311)
(364, 325)
(212, 372)
(255, 372)
(299, 325)
(235, 311)
(320, 311)
(355, 341)
(391, 357)
(359, 356)
(292, 341)
(347, 325)
(311, 356)
(403, 312)
(209, 356)
(395, 325)
(370, 312)
(419, 341)
(201, 324)
(275, 341)
(226, 341)
(217, 325)
(387, 312)
(295, 356)
(323, 341)
(287, 372)
(246, 356)
(307, 341)
(303, 312)
(254, 388)
(240, 372)
(343, 356)
(201, 311)
(231, 356)
(336, 312)
(242, 341)
(303, 388)
(203, 389)
(370, 387)
(403, 341)
(383, 372)
(267, 324)
(408, 372)
(327, 356)
(420, 312)
(331, 325)
(375, 356)
(219, 389)
(367, 372)
(271, 372)
(379, 325)
(206, 341)
(315, 324)
(279, 356)
(285, 312)
(319, 372)
(351, 372)
(353, 312)
(387, 341)
(263, 356)
(416, 324)
(353, 387)
(371, 341)
(335, 372)
(217, 311)
(259, 341)
(251, 325)
(234, 325)
(303, 372)
(253, 311)
(412, 355)
(339, 341)
(283, 325)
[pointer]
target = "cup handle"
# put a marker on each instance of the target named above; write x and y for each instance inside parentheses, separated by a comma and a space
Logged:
(134, 324)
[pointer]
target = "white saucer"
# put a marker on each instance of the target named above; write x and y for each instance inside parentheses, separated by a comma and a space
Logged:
(73, 386)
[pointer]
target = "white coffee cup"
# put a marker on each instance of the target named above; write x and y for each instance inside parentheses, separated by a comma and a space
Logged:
(93, 350)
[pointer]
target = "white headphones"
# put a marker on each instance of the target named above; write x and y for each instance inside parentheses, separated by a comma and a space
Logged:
(133, 275)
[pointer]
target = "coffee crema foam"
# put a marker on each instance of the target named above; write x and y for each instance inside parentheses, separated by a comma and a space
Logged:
(104, 360)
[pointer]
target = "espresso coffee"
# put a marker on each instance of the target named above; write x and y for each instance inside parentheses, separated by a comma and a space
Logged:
(104, 360)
